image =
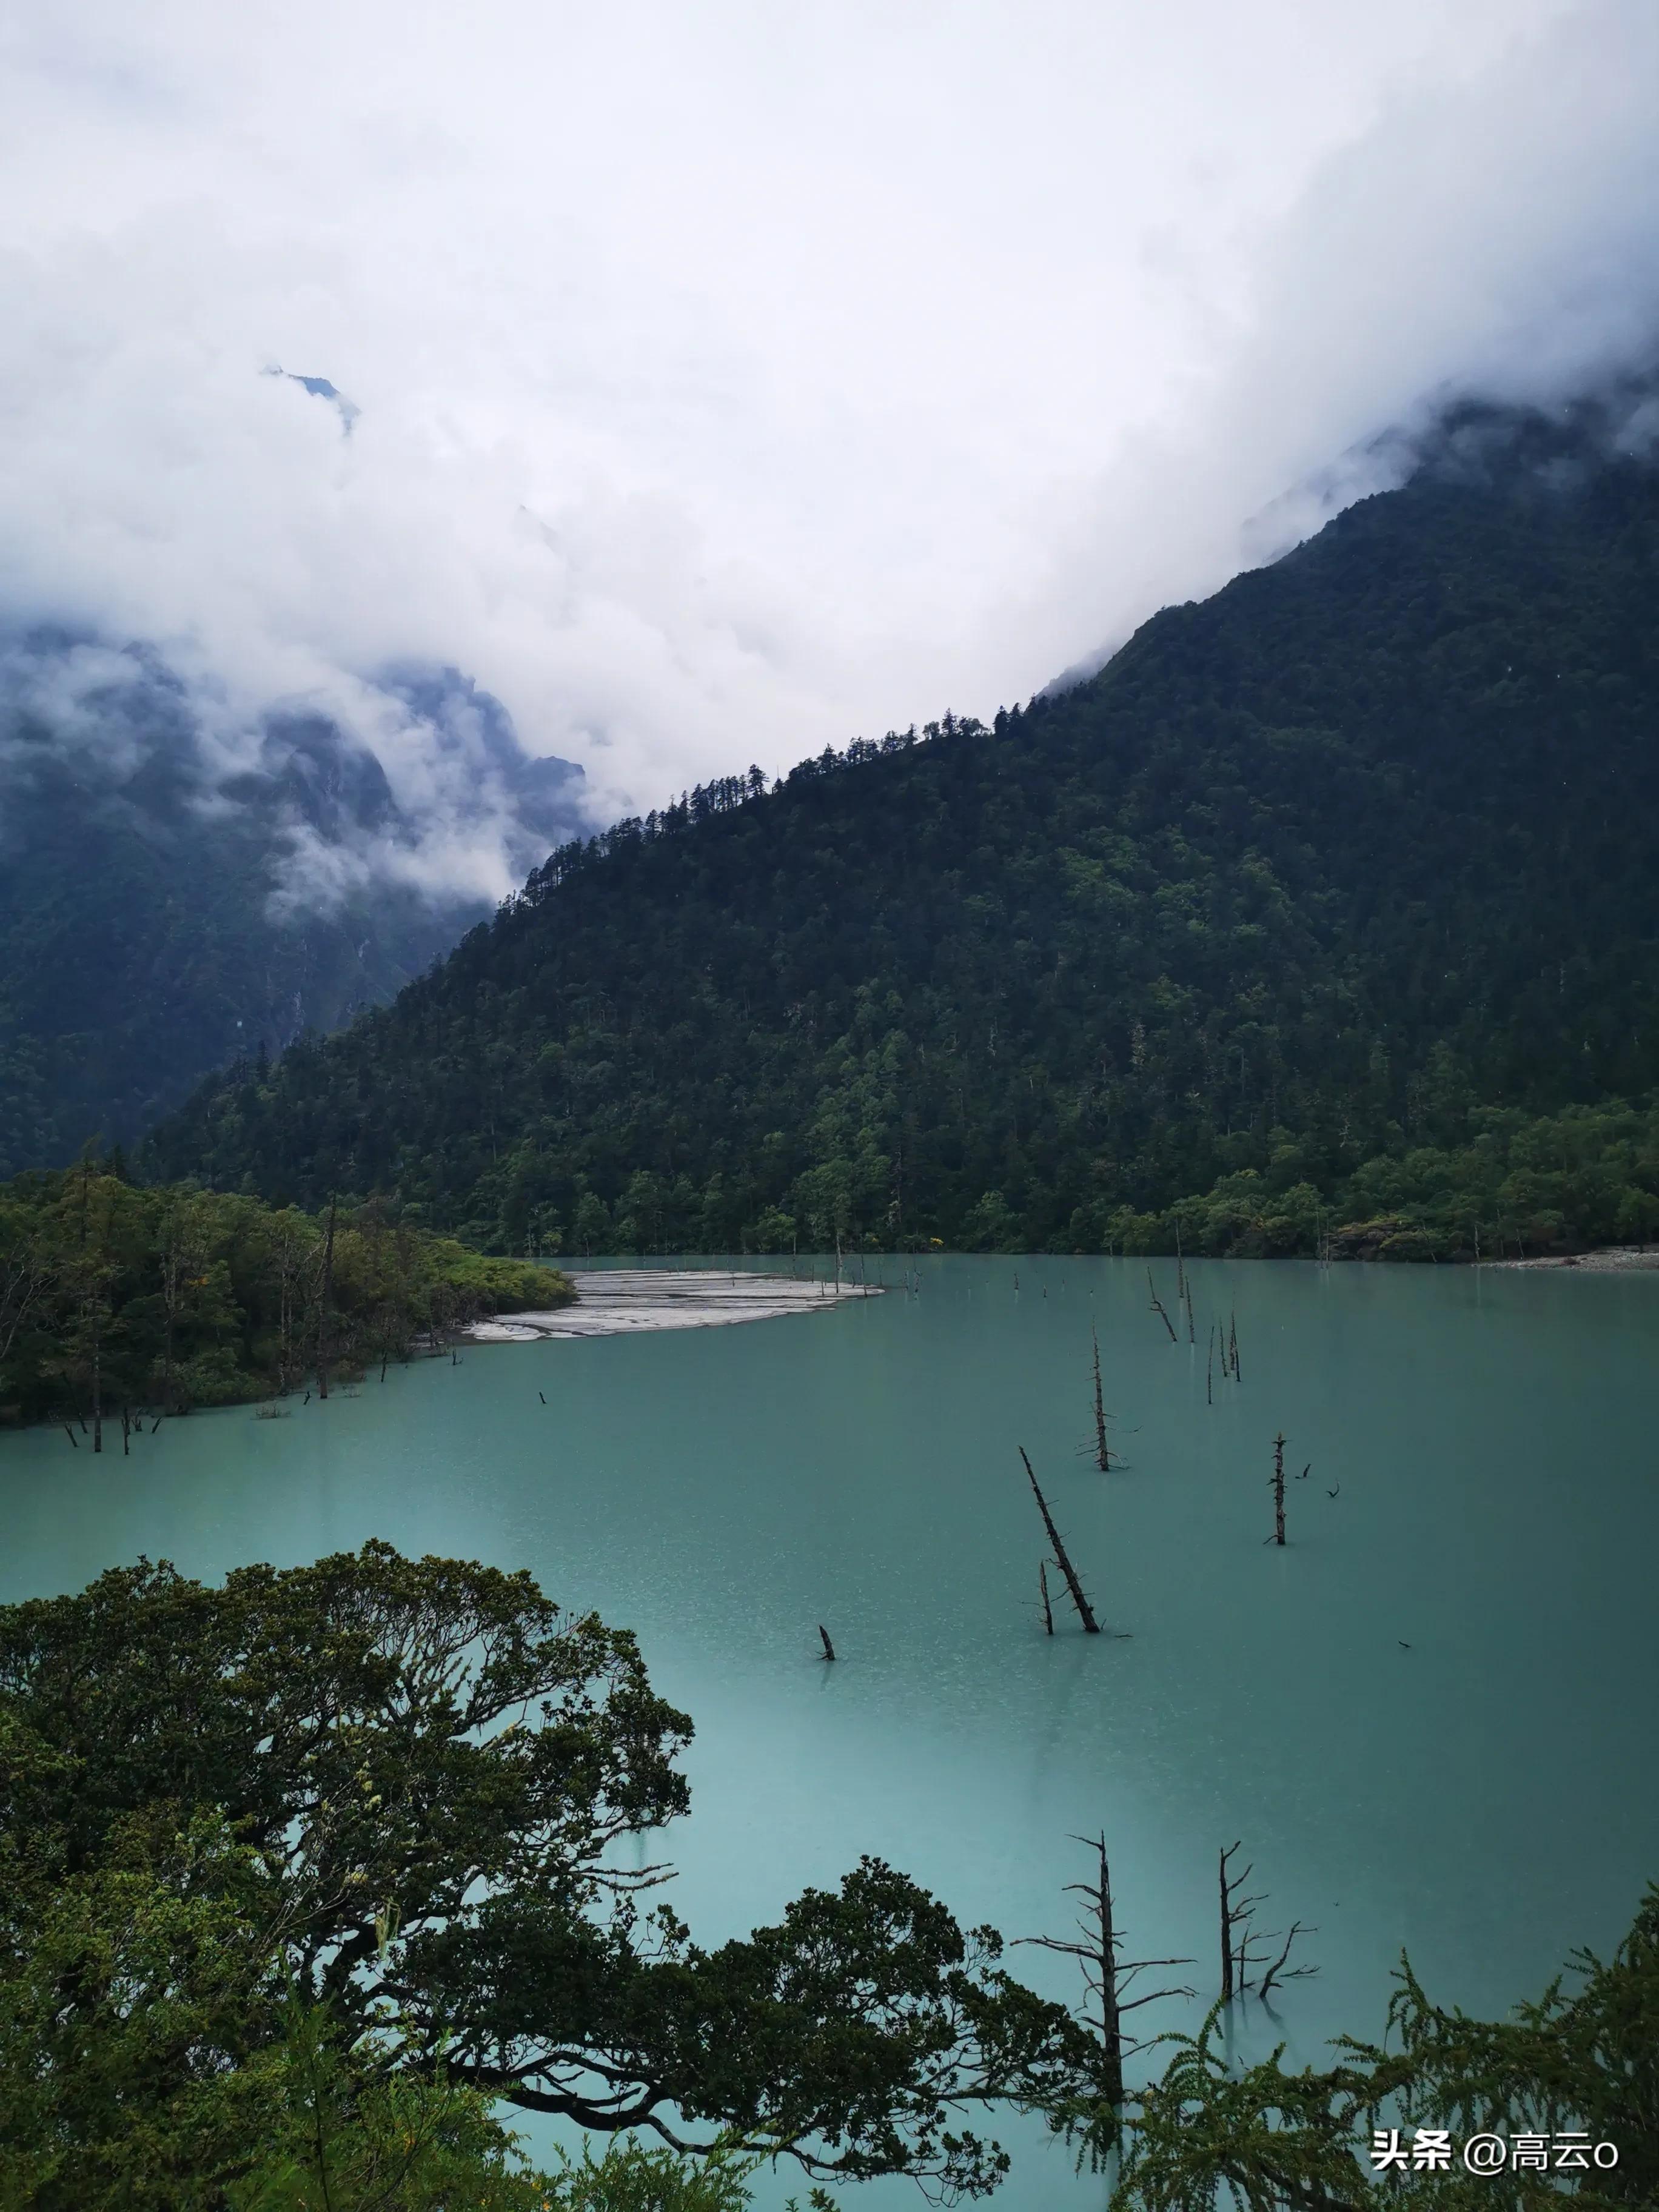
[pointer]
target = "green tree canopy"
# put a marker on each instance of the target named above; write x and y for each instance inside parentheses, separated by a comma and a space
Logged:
(414, 1775)
(173, 1297)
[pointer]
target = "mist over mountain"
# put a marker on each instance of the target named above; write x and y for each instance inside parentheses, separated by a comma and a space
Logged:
(700, 471)
(174, 888)
(1353, 864)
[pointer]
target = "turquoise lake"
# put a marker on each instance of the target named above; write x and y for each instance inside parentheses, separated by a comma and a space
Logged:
(1486, 1798)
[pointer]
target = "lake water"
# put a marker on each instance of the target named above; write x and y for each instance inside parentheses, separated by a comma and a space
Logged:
(1487, 1798)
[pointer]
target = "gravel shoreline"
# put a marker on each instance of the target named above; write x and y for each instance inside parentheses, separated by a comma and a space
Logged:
(618, 1301)
(1612, 1259)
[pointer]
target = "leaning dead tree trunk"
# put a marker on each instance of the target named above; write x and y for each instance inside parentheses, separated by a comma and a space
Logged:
(1277, 1970)
(1106, 1978)
(1103, 1449)
(1157, 1308)
(1042, 1588)
(823, 1638)
(1062, 1561)
(1277, 1487)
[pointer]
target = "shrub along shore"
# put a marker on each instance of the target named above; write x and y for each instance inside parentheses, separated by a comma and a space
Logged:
(115, 1298)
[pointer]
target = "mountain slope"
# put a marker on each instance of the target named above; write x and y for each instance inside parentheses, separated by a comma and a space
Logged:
(1304, 875)
(159, 905)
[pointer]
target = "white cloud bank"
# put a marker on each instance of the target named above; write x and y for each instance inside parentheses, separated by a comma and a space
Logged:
(735, 380)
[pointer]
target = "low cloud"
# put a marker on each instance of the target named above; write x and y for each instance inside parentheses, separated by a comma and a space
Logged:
(416, 779)
(709, 388)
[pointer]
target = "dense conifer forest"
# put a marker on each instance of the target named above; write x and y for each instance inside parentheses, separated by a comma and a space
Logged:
(114, 1299)
(1328, 908)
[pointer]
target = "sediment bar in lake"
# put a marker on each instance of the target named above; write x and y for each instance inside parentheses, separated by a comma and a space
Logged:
(615, 1301)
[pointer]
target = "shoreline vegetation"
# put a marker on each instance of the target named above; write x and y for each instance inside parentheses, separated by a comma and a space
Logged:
(1519, 1188)
(1502, 1185)
(118, 1301)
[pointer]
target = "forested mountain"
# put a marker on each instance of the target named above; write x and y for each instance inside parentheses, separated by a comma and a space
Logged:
(1350, 868)
(159, 898)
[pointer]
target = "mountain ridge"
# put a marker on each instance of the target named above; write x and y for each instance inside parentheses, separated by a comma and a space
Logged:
(1309, 873)
(157, 892)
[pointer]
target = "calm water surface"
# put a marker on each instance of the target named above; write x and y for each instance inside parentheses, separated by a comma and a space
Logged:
(1487, 1798)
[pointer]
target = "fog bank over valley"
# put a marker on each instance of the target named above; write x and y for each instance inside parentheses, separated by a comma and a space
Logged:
(678, 397)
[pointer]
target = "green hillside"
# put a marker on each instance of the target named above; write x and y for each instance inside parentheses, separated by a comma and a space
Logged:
(1346, 870)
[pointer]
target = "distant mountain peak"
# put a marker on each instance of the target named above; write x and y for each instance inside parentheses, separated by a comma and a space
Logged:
(1341, 869)
(169, 889)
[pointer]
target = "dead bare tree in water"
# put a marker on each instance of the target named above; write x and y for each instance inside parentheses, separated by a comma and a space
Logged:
(1157, 1308)
(823, 1638)
(1237, 1375)
(1042, 1587)
(1277, 1972)
(1277, 1487)
(1062, 1559)
(1243, 1951)
(1106, 1977)
(1235, 1913)
(1103, 1449)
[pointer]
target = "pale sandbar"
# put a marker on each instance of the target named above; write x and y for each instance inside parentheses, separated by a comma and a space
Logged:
(616, 1302)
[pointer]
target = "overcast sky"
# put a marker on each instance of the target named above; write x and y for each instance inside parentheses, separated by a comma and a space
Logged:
(737, 378)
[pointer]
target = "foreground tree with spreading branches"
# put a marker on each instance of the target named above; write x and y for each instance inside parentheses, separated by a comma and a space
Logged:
(391, 1790)
(306, 1879)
